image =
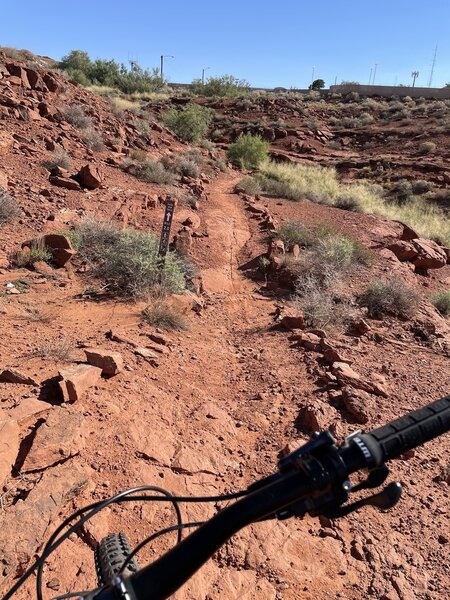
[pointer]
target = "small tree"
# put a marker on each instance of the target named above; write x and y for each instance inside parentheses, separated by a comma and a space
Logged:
(317, 84)
(249, 151)
(225, 85)
(191, 123)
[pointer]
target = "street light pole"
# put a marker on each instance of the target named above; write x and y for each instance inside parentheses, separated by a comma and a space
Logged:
(163, 56)
(312, 76)
(414, 75)
(374, 73)
(203, 74)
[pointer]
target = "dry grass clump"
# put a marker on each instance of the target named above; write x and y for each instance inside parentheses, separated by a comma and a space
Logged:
(162, 315)
(93, 139)
(249, 185)
(320, 184)
(441, 301)
(75, 115)
(326, 256)
(294, 232)
(37, 315)
(151, 171)
(57, 350)
(390, 297)
(9, 208)
(58, 158)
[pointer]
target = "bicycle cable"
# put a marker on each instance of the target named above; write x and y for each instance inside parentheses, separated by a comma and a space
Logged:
(96, 507)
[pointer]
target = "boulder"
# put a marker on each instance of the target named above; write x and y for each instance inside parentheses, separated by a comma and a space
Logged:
(109, 362)
(90, 177)
(429, 255)
(346, 376)
(310, 341)
(35, 80)
(65, 182)
(316, 416)
(357, 404)
(403, 250)
(18, 71)
(76, 379)
(60, 247)
(293, 319)
(51, 83)
(9, 446)
(59, 438)
(183, 242)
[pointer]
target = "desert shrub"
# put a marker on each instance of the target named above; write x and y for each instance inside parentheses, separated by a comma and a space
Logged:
(128, 261)
(75, 115)
(249, 151)
(225, 86)
(441, 301)
(321, 308)
(93, 140)
(427, 148)
(298, 181)
(420, 186)
(151, 171)
(190, 123)
(92, 237)
(185, 167)
(9, 208)
(249, 185)
(58, 158)
(347, 202)
(162, 315)
(442, 198)
(16, 54)
(401, 191)
(390, 297)
(293, 232)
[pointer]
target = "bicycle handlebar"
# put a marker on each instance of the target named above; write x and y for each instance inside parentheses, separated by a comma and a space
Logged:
(313, 479)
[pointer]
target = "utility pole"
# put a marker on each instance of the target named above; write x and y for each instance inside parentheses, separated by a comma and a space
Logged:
(433, 64)
(370, 76)
(414, 75)
(374, 73)
(203, 74)
(163, 56)
(312, 76)
(335, 79)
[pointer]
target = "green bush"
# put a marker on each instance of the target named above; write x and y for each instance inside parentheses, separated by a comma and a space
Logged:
(293, 232)
(225, 86)
(249, 151)
(78, 65)
(162, 315)
(8, 207)
(441, 301)
(190, 123)
(390, 297)
(128, 261)
(427, 148)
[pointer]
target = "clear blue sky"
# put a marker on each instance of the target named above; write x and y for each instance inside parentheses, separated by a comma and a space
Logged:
(274, 43)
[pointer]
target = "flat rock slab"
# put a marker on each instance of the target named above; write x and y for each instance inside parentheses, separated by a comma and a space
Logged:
(24, 527)
(109, 362)
(77, 379)
(9, 447)
(13, 376)
(28, 410)
(59, 438)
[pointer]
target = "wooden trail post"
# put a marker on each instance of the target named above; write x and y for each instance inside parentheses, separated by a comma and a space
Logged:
(165, 232)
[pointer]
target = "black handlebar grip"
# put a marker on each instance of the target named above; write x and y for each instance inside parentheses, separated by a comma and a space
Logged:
(413, 429)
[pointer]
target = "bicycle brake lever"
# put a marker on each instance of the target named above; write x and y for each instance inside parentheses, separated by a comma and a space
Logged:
(384, 500)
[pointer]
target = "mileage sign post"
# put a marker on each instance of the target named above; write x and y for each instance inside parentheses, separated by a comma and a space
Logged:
(165, 232)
